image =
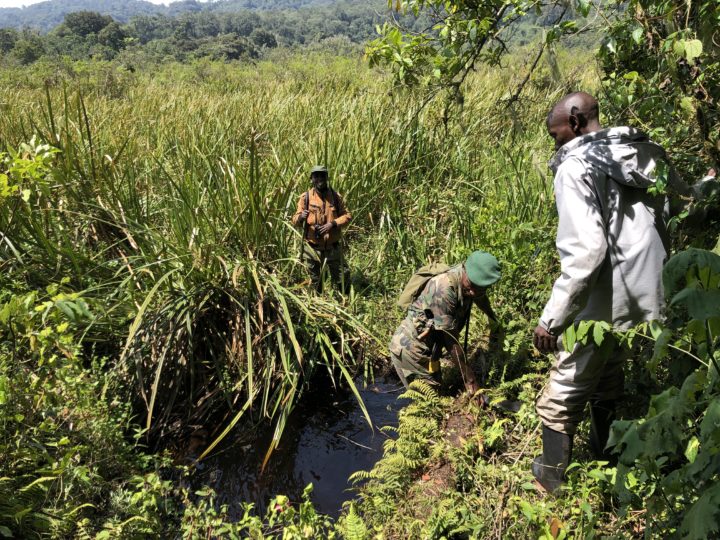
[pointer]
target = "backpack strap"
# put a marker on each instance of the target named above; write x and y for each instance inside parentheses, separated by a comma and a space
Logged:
(307, 207)
(467, 329)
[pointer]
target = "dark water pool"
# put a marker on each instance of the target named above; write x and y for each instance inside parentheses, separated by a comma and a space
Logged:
(327, 438)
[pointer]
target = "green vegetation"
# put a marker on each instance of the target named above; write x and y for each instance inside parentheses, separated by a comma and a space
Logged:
(165, 201)
(51, 13)
(150, 284)
(220, 31)
(474, 479)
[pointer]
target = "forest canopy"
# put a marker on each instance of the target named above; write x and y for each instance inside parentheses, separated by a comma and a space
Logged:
(138, 32)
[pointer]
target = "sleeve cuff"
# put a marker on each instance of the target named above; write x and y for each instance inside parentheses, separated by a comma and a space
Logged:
(545, 326)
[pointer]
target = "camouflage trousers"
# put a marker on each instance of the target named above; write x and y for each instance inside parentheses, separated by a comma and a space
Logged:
(409, 368)
(320, 263)
(586, 374)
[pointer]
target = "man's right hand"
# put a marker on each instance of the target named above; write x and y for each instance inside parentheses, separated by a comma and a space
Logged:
(473, 390)
(472, 387)
(544, 341)
(304, 215)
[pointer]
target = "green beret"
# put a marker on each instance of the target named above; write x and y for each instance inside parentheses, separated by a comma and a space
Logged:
(482, 268)
(318, 169)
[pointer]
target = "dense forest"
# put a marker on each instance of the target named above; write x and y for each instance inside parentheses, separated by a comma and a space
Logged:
(46, 15)
(156, 319)
(222, 34)
(136, 33)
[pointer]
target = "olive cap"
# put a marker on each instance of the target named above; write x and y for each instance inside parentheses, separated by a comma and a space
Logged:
(482, 268)
(318, 169)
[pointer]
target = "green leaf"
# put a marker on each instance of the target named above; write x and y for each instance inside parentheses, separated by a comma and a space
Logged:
(583, 7)
(66, 308)
(687, 264)
(660, 350)
(582, 331)
(693, 49)
(599, 330)
(569, 338)
(702, 519)
(700, 305)
(655, 329)
(638, 35)
(710, 426)
(611, 46)
(678, 47)
(527, 509)
(691, 450)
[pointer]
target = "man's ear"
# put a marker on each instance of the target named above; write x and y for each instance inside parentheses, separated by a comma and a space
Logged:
(576, 119)
(573, 122)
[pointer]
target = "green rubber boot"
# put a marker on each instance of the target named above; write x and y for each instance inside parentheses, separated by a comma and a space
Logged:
(602, 414)
(549, 469)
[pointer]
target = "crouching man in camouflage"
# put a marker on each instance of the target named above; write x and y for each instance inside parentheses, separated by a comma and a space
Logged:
(436, 317)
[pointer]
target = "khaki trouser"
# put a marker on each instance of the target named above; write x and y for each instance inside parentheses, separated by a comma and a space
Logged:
(321, 262)
(588, 373)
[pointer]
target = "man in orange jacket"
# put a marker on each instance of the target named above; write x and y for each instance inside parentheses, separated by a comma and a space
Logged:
(322, 214)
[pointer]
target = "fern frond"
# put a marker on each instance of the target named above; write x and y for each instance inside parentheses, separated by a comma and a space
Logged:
(424, 388)
(355, 528)
(361, 475)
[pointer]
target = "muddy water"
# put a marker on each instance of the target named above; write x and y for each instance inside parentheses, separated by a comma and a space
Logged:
(327, 438)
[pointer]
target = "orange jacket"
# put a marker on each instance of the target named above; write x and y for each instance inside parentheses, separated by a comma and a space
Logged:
(323, 209)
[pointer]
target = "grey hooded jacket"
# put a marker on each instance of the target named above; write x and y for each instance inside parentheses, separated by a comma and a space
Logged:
(612, 236)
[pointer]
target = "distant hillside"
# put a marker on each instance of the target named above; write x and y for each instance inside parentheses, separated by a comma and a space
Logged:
(46, 15)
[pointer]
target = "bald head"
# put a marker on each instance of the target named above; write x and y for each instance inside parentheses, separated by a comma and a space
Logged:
(576, 103)
(574, 115)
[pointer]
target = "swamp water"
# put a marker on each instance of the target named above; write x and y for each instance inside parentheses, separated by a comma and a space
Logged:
(326, 439)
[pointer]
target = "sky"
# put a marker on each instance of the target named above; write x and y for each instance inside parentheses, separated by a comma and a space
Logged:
(21, 3)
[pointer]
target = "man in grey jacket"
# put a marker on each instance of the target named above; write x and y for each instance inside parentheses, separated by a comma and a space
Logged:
(612, 242)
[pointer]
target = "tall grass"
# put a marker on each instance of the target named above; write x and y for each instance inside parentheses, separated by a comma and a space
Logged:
(169, 203)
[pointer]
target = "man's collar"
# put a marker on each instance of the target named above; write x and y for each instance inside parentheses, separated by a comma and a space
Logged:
(607, 135)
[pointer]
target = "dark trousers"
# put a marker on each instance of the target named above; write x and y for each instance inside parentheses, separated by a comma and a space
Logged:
(321, 262)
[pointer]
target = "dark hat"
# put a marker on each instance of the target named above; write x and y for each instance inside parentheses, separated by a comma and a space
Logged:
(482, 268)
(318, 169)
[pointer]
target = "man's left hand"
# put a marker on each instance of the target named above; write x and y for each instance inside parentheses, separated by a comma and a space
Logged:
(497, 333)
(544, 341)
(322, 230)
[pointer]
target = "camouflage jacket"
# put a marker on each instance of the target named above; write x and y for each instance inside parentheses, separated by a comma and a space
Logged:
(440, 307)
